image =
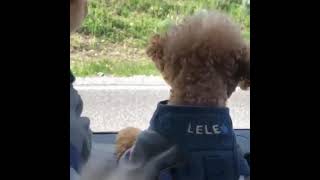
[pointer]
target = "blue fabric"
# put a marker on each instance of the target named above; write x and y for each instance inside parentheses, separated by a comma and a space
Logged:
(75, 158)
(244, 164)
(205, 135)
(80, 133)
(165, 175)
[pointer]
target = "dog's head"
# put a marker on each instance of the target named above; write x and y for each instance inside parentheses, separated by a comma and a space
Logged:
(78, 11)
(206, 49)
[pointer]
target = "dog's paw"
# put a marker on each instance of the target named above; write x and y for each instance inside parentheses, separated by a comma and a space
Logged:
(125, 140)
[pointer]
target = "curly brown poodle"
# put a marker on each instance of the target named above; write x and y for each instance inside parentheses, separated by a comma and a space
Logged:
(203, 59)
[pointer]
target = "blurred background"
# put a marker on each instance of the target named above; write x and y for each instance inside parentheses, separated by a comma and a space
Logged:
(119, 84)
(113, 38)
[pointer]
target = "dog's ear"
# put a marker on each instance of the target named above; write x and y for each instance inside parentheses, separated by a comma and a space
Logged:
(155, 50)
(244, 68)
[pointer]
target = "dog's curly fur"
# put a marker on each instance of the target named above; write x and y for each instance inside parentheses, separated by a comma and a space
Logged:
(203, 59)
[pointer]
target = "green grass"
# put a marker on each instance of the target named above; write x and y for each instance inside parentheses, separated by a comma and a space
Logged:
(134, 21)
(114, 67)
(115, 33)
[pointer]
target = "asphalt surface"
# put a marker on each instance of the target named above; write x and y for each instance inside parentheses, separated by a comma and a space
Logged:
(115, 103)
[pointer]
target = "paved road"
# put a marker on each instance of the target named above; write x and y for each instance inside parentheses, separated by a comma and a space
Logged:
(114, 103)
